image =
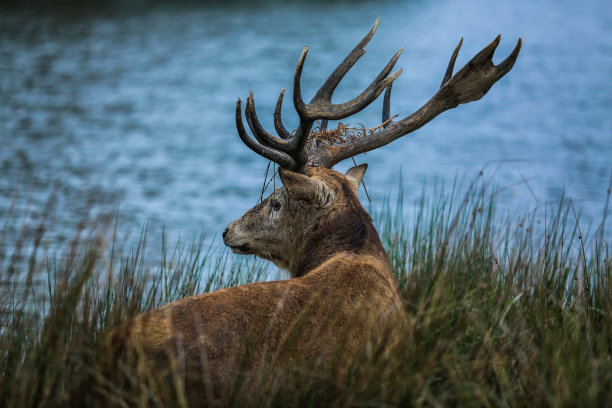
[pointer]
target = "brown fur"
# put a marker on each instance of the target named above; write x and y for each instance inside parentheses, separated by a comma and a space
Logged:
(243, 341)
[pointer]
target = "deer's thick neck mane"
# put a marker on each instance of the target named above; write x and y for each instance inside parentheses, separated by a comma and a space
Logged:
(345, 229)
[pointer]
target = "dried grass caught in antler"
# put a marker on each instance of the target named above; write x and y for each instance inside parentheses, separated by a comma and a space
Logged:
(342, 134)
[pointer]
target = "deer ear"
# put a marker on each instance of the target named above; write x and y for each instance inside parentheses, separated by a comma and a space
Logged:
(355, 175)
(304, 188)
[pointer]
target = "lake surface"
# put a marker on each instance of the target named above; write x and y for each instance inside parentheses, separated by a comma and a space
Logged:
(133, 109)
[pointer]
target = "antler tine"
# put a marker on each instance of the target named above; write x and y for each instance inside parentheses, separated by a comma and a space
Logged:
(301, 133)
(278, 122)
(327, 89)
(386, 111)
(451, 64)
(259, 132)
(469, 84)
(282, 158)
(298, 102)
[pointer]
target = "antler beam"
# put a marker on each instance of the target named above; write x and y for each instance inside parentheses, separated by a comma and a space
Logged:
(289, 150)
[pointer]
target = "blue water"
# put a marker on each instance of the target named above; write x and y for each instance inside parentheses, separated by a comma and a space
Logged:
(133, 109)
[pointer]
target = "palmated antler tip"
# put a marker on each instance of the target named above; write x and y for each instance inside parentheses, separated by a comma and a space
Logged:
(507, 64)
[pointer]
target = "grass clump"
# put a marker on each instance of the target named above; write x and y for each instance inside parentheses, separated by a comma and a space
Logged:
(500, 311)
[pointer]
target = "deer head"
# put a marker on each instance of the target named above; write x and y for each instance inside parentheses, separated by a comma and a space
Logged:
(306, 221)
(281, 227)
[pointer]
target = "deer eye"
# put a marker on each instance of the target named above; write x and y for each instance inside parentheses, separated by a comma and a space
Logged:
(276, 205)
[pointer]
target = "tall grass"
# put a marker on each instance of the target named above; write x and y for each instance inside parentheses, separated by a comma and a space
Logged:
(58, 304)
(501, 311)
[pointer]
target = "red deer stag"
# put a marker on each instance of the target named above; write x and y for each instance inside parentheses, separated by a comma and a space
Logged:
(238, 344)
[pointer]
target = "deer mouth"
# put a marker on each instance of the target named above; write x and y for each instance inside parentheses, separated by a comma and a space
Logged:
(230, 240)
(241, 249)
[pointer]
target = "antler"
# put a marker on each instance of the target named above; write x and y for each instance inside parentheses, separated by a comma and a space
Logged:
(470, 83)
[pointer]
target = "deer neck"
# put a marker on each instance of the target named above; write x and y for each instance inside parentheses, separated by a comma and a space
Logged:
(353, 236)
